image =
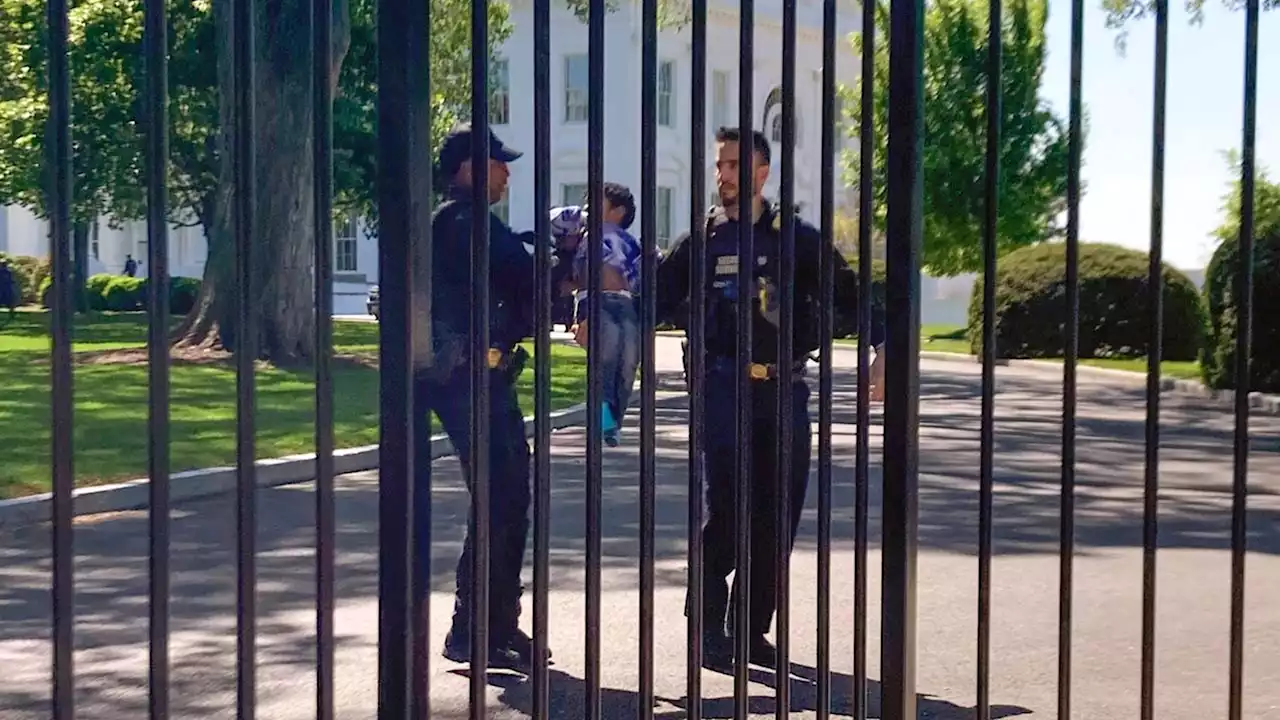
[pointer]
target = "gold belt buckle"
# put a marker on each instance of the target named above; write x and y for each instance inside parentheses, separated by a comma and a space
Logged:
(495, 358)
(759, 371)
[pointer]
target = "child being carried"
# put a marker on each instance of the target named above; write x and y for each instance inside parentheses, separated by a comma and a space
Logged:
(619, 295)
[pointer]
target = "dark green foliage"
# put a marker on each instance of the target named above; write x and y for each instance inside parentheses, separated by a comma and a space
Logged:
(1218, 360)
(29, 273)
(1031, 308)
(120, 293)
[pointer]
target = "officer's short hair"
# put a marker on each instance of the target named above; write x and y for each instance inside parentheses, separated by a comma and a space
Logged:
(758, 141)
(619, 195)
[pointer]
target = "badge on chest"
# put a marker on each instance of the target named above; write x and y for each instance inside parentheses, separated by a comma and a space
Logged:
(728, 264)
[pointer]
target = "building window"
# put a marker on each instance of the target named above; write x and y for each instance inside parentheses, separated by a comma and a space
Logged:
(576, 79)
(777, 128)
(345, 245)
(573, 194)
(719, 99)
(664, 217)
(500, 93)
(502, 208)
(95, 244)
(666, 93)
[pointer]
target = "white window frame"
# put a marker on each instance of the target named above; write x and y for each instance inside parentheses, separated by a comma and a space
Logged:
(576, 98)
(667, 93)
(346, 245)
(572, 193)
(720, 81)
(500, 92)
(664, 207)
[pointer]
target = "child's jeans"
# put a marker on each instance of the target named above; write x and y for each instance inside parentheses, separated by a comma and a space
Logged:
(619, 350)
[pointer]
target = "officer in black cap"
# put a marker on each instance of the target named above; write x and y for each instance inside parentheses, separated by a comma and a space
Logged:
(444, 387)
(720, 453)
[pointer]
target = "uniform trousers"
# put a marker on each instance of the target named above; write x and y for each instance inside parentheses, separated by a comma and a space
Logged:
(509, 494)
(720, 457)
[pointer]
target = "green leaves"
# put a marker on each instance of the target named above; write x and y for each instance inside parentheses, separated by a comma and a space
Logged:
(1033, 140)
(108, 79)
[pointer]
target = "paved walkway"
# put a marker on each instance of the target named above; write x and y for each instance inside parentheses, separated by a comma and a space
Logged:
(111, 658)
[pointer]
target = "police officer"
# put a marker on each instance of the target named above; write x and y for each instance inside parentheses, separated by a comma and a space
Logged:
(444, 387)
(720, 453)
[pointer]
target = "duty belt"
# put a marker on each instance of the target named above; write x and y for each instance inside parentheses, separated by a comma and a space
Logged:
(759, 371)
(770, 371)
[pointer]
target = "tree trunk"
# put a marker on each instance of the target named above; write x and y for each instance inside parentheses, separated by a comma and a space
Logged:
(284, 234)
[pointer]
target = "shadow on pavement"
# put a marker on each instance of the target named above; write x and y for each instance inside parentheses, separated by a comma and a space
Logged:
(112, 552)
(567, 695)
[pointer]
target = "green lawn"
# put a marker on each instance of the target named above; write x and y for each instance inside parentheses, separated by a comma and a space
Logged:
(111, 403)
(952, 339)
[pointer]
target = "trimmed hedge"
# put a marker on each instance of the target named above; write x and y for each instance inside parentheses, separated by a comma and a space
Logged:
(1031, 308)
(121, 293)
(1218, 360)
(29, 272)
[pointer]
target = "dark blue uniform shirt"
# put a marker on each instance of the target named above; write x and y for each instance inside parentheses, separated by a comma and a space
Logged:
(511, 281)
(723, 294)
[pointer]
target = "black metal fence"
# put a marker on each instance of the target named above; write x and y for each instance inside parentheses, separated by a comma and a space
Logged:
(405, 201)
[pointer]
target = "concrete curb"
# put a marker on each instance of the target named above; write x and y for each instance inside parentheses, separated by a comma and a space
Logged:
(1258, 402)
(193, 484)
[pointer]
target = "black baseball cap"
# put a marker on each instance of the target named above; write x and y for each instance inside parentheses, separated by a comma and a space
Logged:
(456, 149)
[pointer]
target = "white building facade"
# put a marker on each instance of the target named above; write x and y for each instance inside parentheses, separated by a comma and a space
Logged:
(355, 255)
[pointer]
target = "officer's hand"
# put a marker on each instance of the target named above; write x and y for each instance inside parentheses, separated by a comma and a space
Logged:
(579, 331)
(877, 376)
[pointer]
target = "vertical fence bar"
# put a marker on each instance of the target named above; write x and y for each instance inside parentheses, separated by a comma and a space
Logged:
(322, 182)
(786, 353)
(648, 346)
(1244, 355)
(995, 117)
(63, 412)
(746, 283)
(243, 43)
(826, 321)
(862, 458)
(1066, 552)
(396, 105)
(695, 367)
(902, 374)
(480, 375)
(155, 52)
(595, 394)
(1155, 346)
(542, 354)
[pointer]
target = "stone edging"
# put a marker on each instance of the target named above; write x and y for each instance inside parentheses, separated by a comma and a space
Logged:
(1259, 402)
(193, 484)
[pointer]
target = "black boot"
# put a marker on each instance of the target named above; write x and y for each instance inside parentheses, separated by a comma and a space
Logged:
(457, 648)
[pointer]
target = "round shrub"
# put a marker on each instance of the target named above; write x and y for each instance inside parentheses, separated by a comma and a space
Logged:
(124, 293)
(95, 290)
(183, 292)
(1031, 308)
(46, 288)
(1218, 361)
(21, 273)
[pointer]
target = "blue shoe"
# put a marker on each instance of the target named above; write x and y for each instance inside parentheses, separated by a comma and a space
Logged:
(608, 425)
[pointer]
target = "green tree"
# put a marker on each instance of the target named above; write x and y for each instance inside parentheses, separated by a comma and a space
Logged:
(1121, 12)
(1033, 151)
(105, 61)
